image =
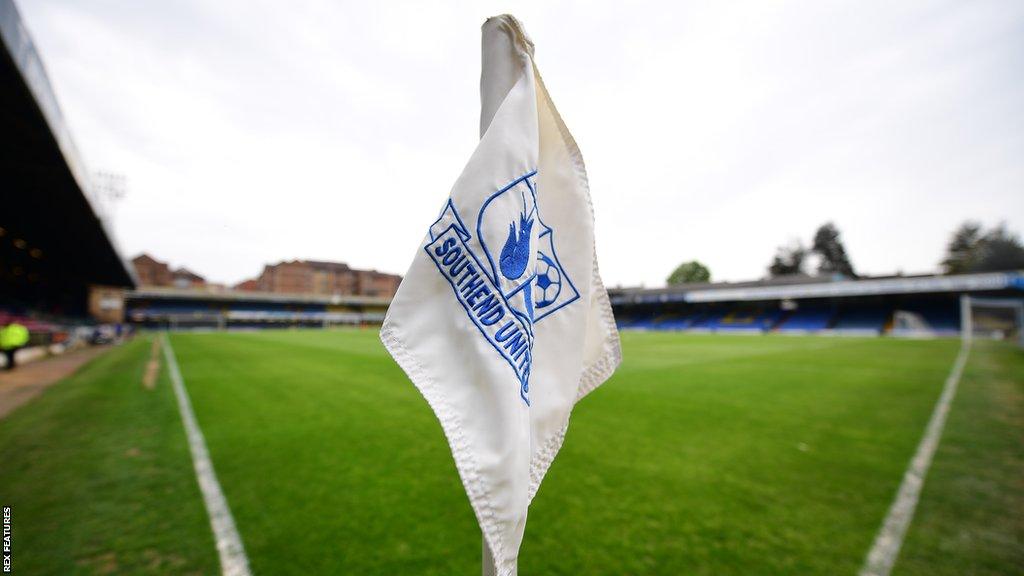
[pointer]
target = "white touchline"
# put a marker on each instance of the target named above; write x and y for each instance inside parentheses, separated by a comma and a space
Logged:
(886, 548)
(233, 561)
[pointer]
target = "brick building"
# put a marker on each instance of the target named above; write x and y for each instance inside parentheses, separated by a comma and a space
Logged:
(290, 277)
(152, 272)
(250, 285)
(324, 278)
(185, 278)
(373, 283)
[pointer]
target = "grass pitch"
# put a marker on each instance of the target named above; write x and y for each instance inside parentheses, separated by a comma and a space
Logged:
(702, 455)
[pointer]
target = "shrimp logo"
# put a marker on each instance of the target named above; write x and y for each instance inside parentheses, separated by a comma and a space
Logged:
(508, 277)
(526, 264)
(515, 255)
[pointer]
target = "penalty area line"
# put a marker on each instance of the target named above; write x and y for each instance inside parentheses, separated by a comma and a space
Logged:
(886, 548)
(233, 561)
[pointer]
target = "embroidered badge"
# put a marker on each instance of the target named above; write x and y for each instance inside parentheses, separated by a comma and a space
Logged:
(508, 277)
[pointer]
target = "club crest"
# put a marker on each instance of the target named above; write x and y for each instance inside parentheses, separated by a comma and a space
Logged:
(507, 277)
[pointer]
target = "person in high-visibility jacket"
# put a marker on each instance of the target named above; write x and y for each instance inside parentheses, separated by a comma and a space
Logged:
(13, 337)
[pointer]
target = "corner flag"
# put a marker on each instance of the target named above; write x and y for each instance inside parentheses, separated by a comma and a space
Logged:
(502, 321)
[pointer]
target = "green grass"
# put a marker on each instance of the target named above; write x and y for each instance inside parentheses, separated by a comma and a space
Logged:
(99, 478)
(971, 515)
(702, 455)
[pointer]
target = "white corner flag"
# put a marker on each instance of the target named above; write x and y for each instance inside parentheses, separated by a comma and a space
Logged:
(502, 321)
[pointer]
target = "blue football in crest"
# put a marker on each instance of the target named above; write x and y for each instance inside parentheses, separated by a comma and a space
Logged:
(548, 284)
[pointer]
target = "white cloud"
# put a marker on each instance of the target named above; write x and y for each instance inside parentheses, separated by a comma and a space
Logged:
(258, 131)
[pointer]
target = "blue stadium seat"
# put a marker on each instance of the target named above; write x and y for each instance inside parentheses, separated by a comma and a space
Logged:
(862, 318)
(807, 319)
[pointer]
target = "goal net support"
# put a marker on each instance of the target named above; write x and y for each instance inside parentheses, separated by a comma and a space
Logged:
(993, 318)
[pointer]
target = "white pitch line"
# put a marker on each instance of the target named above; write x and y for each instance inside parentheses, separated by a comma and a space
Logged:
(886, 548)
(233, 561)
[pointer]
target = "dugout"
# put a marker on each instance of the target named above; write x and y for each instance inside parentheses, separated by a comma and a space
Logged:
(54, 246)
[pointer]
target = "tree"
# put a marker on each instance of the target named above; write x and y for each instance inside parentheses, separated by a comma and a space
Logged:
(829, 247)
(688, 272)
(1001, 250)
(962, 250)
(972, 250)
(788, 260)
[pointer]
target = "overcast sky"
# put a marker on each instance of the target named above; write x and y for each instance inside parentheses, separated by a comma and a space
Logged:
(252, 132)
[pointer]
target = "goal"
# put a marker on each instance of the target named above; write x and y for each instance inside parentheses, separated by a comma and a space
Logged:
(992, 318)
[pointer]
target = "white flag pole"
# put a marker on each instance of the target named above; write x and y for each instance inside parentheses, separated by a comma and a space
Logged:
(488, 559)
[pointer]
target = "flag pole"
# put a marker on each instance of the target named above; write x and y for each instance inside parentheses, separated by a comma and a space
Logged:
(488, 559)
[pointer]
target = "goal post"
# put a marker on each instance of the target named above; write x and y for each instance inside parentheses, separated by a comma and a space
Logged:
(992, 318)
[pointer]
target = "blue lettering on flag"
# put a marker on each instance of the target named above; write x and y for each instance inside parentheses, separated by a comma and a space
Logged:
(484, 303)
(504, 301)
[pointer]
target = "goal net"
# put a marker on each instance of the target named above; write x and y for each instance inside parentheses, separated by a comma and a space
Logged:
(992, 318)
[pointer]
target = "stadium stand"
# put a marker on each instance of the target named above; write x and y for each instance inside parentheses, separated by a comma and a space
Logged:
(182, 308)
(709, 319)
(862, 318)
(745, 319)
(942, 319)
(56, 250)
(676, 321)
(933, 317)
(810, 318)
(801, 305)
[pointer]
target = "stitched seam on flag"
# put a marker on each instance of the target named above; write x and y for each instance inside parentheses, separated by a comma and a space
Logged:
(465, 463)
(462, 229)
(593, 376)
(602, 369)
(599, 371)
(518, 34)
(542, 461)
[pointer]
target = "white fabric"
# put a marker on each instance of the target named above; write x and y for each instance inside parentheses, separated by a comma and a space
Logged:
(460, 325)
